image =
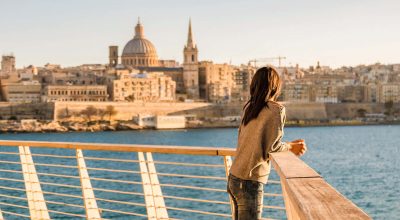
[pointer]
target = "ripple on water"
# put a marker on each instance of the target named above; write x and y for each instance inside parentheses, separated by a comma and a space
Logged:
(359, 161)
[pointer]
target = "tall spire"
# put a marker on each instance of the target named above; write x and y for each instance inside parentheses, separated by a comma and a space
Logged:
(139, 30)
(190, 41)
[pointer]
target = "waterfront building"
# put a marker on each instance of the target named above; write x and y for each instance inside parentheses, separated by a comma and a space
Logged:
(352, 93)
(325, 93)
(176, 74)
(161, 121)
(372, 92)
(144, 87)
(21, 92)
(80, 93)
(170, 121)
(297, 92)
(217, 81)
(389, 92)
(242, 76)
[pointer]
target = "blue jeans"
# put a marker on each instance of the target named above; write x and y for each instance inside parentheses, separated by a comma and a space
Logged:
(247, 197)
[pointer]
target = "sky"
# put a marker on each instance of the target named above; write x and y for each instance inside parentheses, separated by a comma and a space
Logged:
(73, 32)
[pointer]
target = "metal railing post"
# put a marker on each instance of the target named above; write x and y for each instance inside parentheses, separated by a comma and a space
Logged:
(89, 199)
(228, 164)
(148, 192)
(34, 194)
(159, 203)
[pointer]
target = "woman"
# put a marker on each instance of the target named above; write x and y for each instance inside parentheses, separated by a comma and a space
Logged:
(260, 134)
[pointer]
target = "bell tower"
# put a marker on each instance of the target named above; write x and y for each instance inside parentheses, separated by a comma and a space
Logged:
(191, 66)
(113, 56)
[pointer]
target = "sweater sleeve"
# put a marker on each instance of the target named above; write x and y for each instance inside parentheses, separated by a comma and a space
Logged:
(276, 134)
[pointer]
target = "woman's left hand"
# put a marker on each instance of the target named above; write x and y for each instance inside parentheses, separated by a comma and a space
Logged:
(298, 147)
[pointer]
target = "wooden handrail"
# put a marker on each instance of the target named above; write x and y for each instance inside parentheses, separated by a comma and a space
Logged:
(289, 166)
(307, 195)
(192, 150)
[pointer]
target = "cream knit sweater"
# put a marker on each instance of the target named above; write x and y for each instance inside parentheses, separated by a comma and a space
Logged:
(256, 140)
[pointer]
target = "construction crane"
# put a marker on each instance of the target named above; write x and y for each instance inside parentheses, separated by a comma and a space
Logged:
(267, 59)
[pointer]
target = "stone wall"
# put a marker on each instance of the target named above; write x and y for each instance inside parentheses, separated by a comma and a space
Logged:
(306, 111)
(126, 110)
(350, 110)
(43, 111)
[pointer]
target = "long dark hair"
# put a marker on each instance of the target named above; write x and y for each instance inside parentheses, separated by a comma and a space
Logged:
(265, 85)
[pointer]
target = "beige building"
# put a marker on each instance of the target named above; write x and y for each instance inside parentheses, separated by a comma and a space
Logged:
(297, 92)
(325, 93)
(352, 93)
(22, 92)
(81, 93)
(389, 92)
(216, 81)
(144, 87)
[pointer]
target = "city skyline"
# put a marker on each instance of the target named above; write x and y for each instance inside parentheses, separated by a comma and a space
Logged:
(75, 33)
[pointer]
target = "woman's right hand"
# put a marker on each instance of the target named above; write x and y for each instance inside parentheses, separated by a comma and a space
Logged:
(298, 147)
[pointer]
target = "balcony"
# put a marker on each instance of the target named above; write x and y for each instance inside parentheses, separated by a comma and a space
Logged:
(53, 180)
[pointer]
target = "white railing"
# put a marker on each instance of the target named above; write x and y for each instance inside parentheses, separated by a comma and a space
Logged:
(43, 180)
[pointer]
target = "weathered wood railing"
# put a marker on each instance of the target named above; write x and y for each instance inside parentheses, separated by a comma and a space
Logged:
(87, 189)
(307, 195)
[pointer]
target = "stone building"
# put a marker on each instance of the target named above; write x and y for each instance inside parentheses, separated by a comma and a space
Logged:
(297, 92)
(389, 92)
(352, 93)
(22, 92)
(216, 81)
(148, 87)
(324, 93)
(68, 77)
(80, 93)
(176, 74)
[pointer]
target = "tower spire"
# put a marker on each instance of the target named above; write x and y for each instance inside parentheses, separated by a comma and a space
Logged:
(190, 41)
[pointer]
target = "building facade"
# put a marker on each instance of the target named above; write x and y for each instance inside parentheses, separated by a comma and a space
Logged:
(144, 87)
(216, 81)
(22, 92)
(80, 93)
(389, 92)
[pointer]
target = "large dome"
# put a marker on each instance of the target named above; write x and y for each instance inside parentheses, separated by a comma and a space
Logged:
(138, 46)
(139, 52)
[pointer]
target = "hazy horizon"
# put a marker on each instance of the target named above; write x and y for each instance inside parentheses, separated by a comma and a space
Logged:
(339, 33)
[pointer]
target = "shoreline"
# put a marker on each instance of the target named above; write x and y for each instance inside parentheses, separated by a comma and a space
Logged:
(128, 126)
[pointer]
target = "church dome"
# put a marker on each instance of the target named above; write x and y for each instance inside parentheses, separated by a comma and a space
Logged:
(139, 52)
(138, 46)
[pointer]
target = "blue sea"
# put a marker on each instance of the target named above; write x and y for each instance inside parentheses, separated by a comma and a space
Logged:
(361, 162)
